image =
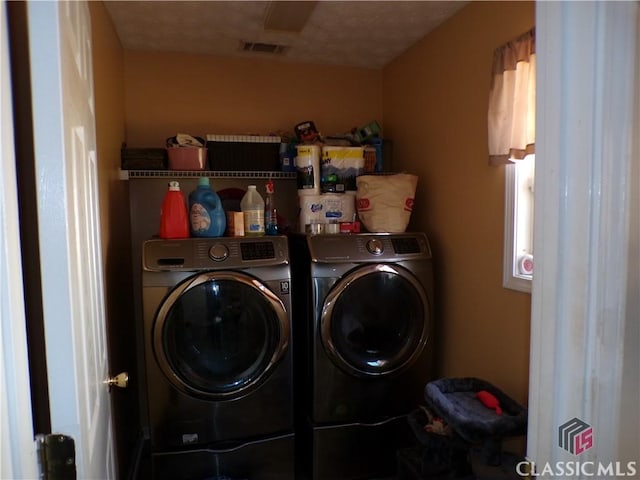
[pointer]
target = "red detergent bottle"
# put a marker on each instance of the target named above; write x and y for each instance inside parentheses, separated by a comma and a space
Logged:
(174, 221)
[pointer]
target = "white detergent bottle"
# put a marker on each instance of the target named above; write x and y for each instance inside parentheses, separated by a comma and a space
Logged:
(252, 206)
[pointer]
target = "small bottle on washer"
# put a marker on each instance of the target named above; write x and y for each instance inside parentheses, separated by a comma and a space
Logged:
(270, 212)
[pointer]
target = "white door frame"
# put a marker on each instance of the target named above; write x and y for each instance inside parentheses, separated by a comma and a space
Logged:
(17, 448)
(586, 82)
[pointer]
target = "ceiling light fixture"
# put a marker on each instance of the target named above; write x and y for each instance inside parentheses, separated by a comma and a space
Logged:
(288, 16)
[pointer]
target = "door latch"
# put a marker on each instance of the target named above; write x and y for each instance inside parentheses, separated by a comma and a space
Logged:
(121, 381)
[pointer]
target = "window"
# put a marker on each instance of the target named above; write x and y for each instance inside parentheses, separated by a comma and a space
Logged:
(518, 225)
(511, 128)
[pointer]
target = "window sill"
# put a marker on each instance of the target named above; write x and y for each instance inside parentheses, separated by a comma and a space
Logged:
(521, 284)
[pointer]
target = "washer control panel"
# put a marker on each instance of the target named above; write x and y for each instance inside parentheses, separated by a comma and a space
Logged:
(225, 252)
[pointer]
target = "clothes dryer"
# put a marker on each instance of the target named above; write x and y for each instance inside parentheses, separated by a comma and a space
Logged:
(364, 352)
(217, 331)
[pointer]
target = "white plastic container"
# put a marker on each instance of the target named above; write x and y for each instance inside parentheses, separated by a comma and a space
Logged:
(252, 206)
(324, 209)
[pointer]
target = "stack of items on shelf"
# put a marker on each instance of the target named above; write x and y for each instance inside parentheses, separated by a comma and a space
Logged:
(203, 215)
(327, 169)
(327, 187)
(366, 137)
(252, 152)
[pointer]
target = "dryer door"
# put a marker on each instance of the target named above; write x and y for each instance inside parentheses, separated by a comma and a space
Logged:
(375, 320)
(219, 334)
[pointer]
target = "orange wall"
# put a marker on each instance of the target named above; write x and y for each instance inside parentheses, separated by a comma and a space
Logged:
(435, 99)
(169, 93)
(108, 72)
(109, 96)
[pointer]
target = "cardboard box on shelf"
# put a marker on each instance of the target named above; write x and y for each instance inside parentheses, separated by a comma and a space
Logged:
(235, 224)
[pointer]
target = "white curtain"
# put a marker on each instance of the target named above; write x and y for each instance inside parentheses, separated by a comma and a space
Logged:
(512, 101)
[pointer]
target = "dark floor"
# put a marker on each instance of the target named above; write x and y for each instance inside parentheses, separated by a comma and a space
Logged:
(410, 467)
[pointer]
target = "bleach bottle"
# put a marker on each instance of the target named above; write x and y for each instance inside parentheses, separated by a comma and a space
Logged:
(206, 215)
(252, 206)
(173, 214)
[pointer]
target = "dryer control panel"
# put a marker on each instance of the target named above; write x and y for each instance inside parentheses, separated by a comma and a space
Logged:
(391, 247)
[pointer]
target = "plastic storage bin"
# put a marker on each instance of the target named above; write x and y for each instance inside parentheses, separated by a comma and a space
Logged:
(244, 152)
(187, 158)
(143, 158)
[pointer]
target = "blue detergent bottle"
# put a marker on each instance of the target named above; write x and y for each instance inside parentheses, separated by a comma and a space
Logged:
(206, 215)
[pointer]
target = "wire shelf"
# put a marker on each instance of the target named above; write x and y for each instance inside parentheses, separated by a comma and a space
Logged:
(130, 174)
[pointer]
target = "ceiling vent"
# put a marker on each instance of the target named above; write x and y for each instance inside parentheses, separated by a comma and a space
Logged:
(259, 47)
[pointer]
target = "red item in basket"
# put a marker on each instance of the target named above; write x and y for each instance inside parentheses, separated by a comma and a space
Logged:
(489, 401)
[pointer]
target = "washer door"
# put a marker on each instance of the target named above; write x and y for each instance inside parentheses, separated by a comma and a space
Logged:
(219, 334)
(375, 321)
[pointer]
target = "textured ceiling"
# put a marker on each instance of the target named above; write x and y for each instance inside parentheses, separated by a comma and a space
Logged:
(357, 33)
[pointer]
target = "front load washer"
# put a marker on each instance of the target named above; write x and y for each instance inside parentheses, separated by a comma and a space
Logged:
(365, 350)
(217, 331)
